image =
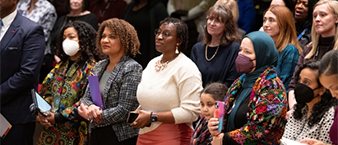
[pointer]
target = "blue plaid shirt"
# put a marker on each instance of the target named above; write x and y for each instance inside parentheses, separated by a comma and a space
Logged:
(43, 13)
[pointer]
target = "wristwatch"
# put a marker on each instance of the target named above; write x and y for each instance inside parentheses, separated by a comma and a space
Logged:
(153, 117)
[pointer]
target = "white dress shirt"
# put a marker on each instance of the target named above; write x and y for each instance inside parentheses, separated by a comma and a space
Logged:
(6, 22)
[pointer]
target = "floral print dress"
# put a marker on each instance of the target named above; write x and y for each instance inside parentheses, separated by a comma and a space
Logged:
(62, 89)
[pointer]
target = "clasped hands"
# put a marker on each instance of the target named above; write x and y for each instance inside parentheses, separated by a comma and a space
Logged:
(91, 113)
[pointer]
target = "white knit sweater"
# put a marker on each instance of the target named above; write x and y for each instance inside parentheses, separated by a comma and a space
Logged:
(174, 88)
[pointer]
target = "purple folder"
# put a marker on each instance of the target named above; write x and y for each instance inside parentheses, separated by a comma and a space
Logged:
(94, 88)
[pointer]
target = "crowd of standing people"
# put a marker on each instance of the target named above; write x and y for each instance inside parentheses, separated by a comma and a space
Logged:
(169, 62)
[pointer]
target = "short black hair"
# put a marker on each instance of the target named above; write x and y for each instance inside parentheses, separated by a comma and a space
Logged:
(181, 30)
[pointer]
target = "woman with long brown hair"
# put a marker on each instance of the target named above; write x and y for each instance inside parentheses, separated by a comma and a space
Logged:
(215, 56)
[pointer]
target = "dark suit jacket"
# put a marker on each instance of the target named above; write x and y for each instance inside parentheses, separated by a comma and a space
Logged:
(22, 50)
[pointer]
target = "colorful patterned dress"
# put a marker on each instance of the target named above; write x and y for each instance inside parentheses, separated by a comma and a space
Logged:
(201, 134)
(266, 111)
(63, 89)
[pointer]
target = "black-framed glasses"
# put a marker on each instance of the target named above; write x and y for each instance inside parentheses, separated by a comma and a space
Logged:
(165, 34)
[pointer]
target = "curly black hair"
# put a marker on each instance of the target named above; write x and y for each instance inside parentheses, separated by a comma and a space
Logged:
(320, 108)
(124, 31)
(181, 30)
(87, 35)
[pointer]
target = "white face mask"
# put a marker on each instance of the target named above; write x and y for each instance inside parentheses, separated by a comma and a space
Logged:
(70, 47)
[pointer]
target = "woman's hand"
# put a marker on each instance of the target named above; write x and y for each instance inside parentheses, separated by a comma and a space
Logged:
(312, 142)
(288, 114)
(94, 112)
(45, 121)
(213, 126)
(90, 113)
(217, 140)
(50, 118)
(83, 111)
(142, 120)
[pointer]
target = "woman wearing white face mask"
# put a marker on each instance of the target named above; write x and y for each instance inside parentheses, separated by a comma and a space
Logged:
(77, 12)
(65, 84)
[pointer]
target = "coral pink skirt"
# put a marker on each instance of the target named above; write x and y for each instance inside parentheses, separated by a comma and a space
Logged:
(167, 134)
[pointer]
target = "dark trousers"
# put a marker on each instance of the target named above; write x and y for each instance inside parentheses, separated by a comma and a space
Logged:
(106, 136)
(20, 134)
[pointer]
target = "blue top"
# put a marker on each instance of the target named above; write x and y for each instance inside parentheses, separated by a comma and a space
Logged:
(221, 68)
(247, 14)
(287, 61)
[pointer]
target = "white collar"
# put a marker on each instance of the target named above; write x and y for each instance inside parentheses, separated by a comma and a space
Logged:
(6, 21)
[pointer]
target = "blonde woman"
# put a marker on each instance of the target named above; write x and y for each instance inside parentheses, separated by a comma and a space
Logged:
(324, 38)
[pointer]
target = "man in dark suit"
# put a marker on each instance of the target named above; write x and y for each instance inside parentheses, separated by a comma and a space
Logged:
(22, 46)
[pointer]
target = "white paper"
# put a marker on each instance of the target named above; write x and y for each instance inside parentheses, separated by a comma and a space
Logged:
(286, 141)
(5, 126)
(42, 104)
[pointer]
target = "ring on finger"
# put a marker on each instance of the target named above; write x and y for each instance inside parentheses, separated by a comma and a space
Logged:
(134, 123)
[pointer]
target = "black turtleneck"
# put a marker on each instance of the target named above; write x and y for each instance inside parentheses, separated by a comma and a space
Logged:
(324, 45)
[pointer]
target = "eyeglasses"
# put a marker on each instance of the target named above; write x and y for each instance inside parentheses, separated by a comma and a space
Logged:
(165, 34)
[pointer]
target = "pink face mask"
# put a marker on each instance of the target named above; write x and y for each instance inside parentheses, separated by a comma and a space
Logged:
(244, 64)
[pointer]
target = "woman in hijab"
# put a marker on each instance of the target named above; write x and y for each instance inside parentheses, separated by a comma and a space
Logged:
(256, 101)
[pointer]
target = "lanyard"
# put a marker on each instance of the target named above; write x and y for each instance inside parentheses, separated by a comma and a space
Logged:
(301, 34)
(102, 12)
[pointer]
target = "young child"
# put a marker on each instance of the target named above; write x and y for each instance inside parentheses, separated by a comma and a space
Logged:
(210, 94)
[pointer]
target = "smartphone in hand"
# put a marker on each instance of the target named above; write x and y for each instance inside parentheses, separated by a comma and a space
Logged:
(131, 117)
(219, 113)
